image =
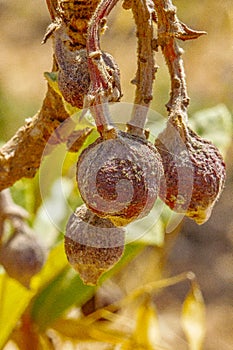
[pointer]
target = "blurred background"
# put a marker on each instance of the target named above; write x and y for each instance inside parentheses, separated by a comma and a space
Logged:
(206, 250)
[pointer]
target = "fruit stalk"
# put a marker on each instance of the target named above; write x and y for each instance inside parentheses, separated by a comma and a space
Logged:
(170, 29)
(100, 87)
(146, 68)
(10, 210)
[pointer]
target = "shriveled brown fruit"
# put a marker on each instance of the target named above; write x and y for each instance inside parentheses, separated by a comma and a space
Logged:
(22, 257)
(194, 171)
(93, 245)
(119, 178)
(73, 74)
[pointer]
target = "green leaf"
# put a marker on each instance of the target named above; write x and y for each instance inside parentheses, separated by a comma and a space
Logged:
(70, 159)
(52, 79)
(26, 193)
(55, 264)
(149, 230)
(67, 289)
(214, 124)
(64, 291)
(51, 169)
(14, 299)
(52, 215)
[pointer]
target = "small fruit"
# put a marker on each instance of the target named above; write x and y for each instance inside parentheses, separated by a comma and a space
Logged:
(194, 171)
(22, 257)
(119, 178)
(92, 244)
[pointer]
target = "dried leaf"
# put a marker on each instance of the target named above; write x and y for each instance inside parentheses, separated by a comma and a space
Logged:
(186, 33)
(193, 318)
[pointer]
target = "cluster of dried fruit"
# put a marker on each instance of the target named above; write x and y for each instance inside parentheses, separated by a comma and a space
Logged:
(121, 174)
(118, 175)
(119, 181)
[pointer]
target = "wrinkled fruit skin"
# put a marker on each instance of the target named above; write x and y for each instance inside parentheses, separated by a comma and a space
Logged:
(92, 244)
(22, 257)
(119, 178)
(73, 74)
(194, 171)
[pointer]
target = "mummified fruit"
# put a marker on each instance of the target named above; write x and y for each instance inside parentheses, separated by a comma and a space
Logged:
(92, 244)
(73, 74)
(194, 171)
(22, 257)
(119, 178)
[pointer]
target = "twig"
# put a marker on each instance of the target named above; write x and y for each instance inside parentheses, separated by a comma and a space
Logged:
(52, 6)
(97, 21)
(10, 210)
(170, 29)
(143, 13)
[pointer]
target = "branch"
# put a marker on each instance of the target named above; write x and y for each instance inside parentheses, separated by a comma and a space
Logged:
(143, 14)
(76, 16)
(21, 156)
(170, 28)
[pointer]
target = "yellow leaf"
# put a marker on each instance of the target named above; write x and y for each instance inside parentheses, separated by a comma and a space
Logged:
(147, 333)
(14, 298)
(52, 79)
(72, 329)
(45, 343)
(55, 263)
(193, 318)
